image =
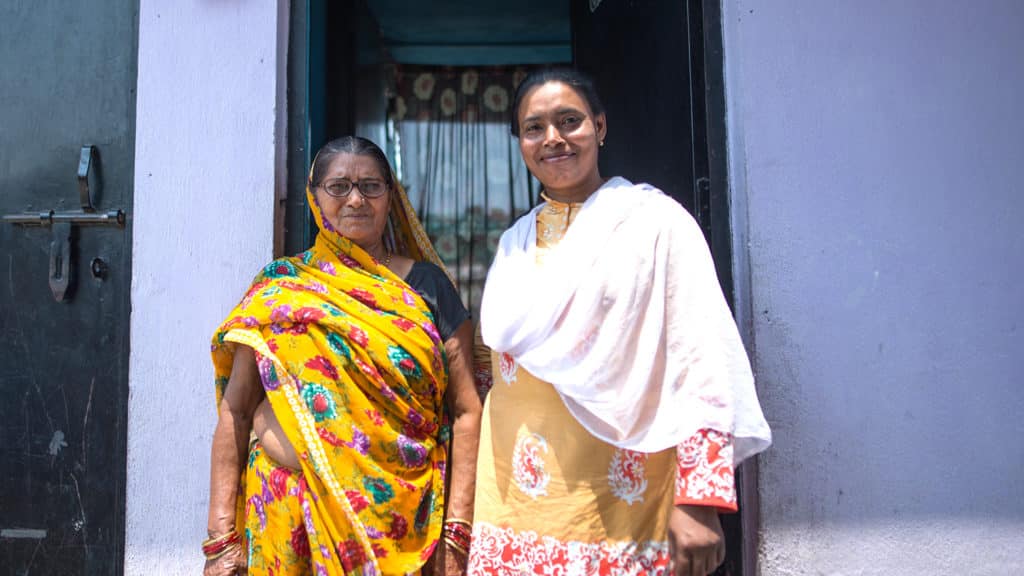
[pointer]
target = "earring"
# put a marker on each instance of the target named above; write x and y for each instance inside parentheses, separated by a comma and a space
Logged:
(601, 143)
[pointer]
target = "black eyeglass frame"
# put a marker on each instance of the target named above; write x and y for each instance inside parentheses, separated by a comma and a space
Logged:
(360, 184)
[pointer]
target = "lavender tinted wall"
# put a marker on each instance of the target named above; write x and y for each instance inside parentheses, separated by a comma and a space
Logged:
(208, 169)
(877, 154)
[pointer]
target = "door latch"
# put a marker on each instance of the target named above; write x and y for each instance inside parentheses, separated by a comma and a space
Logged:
(61, 223)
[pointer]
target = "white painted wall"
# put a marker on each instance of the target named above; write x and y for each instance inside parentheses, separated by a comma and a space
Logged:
(877, 155)
(210, 104)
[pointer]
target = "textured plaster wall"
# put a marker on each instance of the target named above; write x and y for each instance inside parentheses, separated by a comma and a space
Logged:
(877, 154)
(209, 103)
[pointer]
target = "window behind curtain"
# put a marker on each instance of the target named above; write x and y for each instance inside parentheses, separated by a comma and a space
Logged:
(459, 164)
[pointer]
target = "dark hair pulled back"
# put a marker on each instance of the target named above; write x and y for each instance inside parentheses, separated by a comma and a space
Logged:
(356, 146)
(578, 81)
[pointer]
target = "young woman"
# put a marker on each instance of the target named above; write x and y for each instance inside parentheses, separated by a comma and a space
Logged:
(622, 398)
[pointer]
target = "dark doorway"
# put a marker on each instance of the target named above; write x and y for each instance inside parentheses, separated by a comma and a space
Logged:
(69, 74)
(657, 64)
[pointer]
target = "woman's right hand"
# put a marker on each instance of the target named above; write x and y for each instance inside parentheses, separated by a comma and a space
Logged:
(232, 563)
(242, 395)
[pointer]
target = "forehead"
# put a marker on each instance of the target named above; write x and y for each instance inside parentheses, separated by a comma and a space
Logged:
(353, 166)
(551, 96)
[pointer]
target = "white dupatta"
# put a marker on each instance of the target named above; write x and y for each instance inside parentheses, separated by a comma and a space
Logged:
(625, 318)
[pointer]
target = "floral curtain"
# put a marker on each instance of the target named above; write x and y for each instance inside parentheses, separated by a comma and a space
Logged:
(459, 164)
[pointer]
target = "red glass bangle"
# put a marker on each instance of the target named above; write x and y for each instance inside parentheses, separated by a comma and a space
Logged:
(464, 550)
(457, 528)
(214, 547)
(458, 534)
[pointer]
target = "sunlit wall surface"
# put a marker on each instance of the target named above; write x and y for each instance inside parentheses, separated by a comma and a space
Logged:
(876, 162)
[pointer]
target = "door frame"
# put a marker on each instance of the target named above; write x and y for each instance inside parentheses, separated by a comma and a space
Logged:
(309, 59)
(708, 45)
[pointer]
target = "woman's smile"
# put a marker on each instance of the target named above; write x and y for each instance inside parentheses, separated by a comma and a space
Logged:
(559, 136)
(558, 158)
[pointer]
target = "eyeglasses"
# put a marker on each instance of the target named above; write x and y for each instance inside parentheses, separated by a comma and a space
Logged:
(341, 188)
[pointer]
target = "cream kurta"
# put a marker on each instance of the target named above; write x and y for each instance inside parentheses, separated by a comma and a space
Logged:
(551, 498)
(550, 495)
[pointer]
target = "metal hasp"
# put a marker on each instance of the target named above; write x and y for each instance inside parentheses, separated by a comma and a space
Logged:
(62, 222)
(60, 261)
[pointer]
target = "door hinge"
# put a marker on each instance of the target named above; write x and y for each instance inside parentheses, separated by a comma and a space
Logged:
(702, 204)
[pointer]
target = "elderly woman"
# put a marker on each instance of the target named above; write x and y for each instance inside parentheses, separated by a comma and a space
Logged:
(623, 398)
(343, 377)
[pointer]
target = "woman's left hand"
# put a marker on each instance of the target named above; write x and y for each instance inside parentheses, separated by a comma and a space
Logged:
(464, 402)
(696, 540)
(448, 561)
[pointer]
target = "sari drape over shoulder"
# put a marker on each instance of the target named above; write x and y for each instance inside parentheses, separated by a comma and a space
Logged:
(353, 367)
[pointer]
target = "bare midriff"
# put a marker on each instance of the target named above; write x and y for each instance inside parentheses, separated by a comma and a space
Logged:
(275, 443)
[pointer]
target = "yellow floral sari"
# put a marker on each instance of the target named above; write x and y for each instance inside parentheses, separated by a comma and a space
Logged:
(353, 367)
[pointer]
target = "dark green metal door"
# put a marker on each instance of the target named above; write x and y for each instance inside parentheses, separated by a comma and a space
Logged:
(67, 80)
